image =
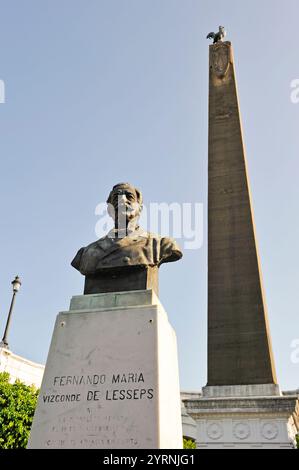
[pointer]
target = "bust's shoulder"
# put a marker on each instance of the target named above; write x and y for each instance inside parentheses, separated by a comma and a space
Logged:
(150, 235)
(162, 240)
(91, 251)
(169, 250)
(169, 243)
(97, 244)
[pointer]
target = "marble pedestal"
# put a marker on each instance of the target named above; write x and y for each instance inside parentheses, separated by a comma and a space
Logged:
(111, 379)
(244, 420)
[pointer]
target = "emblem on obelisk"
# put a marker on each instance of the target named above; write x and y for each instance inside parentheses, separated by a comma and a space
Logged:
(221, 58)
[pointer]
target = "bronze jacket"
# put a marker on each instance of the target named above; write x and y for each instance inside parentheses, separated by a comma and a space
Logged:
(140, 248)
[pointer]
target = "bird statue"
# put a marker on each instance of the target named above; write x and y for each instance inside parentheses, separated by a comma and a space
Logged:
(217, 36)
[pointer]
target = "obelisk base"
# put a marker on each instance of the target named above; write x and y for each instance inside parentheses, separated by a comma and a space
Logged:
(111, 379)
(255, 390)
(245, 422)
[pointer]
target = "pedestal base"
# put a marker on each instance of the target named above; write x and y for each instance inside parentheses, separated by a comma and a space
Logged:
(111, 378)
(240, 423)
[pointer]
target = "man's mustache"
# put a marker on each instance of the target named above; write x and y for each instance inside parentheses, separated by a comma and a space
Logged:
(126, 206)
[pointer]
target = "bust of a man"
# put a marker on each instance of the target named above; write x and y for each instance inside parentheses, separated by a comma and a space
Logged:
(127, 258)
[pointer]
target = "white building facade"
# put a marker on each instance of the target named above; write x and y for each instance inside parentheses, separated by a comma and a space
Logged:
(28, 372)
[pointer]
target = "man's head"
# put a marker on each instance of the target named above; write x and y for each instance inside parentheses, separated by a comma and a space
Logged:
(124, 203)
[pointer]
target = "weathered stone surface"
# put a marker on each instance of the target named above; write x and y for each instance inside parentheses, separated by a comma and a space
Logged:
(286, 405)
(115, 300)
(260, 390)
(111, 379)
(239, 349)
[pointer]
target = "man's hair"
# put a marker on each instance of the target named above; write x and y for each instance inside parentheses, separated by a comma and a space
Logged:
(125, 185)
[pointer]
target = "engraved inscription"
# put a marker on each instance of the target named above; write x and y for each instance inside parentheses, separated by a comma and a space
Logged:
(98, 394)
(90, 413)
(93, 430)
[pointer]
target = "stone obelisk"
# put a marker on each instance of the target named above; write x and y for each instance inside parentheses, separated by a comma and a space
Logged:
(241, 406)
(239, 346)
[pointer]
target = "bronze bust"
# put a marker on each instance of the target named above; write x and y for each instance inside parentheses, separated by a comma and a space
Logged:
(128, 257)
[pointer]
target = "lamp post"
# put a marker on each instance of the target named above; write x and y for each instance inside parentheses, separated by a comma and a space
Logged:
(16, 284)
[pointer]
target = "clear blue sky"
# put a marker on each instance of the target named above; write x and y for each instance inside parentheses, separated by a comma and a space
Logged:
(102, 91)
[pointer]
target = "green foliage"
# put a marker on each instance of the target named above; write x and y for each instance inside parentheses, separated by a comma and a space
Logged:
(297, 439)
(17, 405)
(189, 443)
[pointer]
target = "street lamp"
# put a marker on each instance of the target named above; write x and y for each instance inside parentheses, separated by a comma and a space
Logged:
(16, 284)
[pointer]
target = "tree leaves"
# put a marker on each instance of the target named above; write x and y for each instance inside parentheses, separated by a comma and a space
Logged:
(189, 443)
(17, 406)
